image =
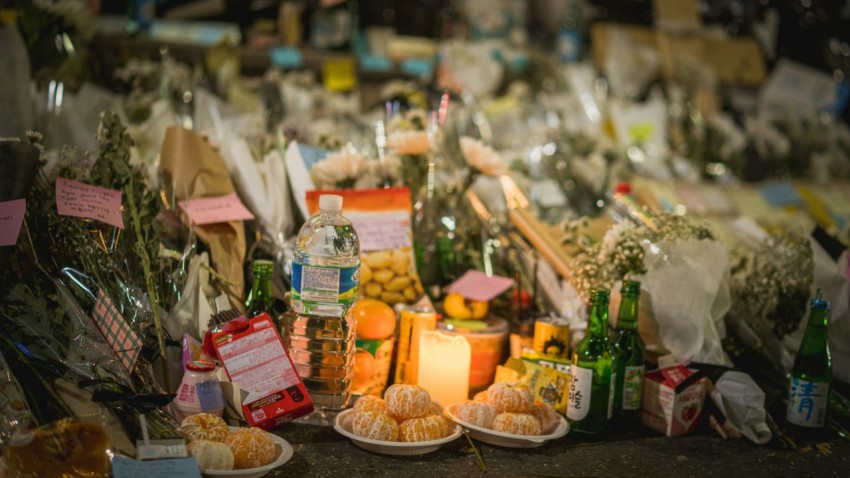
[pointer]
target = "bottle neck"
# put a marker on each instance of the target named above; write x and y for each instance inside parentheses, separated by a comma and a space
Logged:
(261, 293)
(627, 317)
(817, 332)
(597, 319)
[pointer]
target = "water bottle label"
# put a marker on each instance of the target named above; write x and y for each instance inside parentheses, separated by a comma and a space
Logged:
(633, 387)
(580, 387)
(313, 285)
(807, 403)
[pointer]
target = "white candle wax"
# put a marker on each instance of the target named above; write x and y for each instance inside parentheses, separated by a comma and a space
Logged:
(444, 366)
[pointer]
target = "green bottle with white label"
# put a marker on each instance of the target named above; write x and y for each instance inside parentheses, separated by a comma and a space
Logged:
(592, 374)
(629, 354)
(808, 390)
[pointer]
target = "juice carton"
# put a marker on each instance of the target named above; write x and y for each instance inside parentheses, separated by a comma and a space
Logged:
(253, 356)
(666, 410)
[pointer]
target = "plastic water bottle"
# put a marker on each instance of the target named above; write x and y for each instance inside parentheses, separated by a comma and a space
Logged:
(325, 285)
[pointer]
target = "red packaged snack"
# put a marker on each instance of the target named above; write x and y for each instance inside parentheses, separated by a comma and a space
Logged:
(253, 356)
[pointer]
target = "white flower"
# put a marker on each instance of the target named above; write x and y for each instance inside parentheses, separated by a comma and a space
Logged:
(409, 142)
(482, 157)
(340, 167)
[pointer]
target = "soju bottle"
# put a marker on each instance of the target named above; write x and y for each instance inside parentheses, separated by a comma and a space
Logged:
(261, 299)
(809, 388)
(592, 372)
(629, 354)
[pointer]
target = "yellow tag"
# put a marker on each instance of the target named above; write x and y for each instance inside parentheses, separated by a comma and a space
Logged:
(641, 132)
(339, 74)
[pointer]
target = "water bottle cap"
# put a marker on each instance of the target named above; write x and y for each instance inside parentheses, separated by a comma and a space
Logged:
(330, 202)
(623, 188)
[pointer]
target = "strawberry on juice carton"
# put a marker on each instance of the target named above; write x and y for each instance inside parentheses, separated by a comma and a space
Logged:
(666, 410)
(253, 356)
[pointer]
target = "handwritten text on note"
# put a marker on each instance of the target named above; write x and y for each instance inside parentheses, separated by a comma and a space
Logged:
(78, 199)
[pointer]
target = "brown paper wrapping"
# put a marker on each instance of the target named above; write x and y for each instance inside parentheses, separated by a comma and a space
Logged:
(192, 169)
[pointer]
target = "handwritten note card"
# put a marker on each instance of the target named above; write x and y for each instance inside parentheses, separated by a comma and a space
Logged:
(215, 209)
(78, 199)
(123, 467)
(378, 232)
(476, 285)
(11, 218)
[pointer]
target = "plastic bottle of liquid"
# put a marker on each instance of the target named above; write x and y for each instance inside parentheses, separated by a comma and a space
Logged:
(325, 285)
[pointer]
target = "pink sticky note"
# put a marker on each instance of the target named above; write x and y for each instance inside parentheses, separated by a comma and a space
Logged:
(11, 218)
(476, 285)
(215, 209)
(78, 199)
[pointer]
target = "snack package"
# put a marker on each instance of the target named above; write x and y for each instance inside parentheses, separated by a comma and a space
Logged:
(549, 384)
(62, 448)
(381, 218)
(253, 356)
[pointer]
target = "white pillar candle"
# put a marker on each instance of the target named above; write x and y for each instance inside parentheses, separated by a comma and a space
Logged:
(444, 366)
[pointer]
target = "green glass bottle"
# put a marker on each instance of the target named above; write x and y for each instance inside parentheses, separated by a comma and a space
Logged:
(629, 354)
(808, 390)
(261, 299)
(592, 373)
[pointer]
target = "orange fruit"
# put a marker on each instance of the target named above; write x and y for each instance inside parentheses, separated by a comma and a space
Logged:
(457, 306)
(375, 319)
(364, 368)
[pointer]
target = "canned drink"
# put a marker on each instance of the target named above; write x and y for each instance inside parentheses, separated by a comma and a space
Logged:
(411, 324)
(552, 337)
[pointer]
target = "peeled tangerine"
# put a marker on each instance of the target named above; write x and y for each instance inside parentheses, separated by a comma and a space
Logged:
(477, 413)
(511, 397)
(211, 455)
(517, 424)
(547, 415)
(204, 426)
(370, 403)
(407, 401)
(375, 426)
(427, 428)
(252, 447)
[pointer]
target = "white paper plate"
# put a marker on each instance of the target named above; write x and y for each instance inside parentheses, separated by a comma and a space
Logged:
(344, 425)
(508, 440)
(284, 450)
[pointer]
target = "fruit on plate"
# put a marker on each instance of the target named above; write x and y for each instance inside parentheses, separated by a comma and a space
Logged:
(407, 401)
(480, 414)
(252, 447)
(371, 403)
(204, 426)
(458, 307)
(427, 428)
(211, 455)
(517, 423)
(375, 319)
(547, 415)
(375, 426)
(513, 397)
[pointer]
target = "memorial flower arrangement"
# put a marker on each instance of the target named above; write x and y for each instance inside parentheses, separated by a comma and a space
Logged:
(66, 271)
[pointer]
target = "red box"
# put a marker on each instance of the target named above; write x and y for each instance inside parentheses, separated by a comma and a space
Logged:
(253, 356)
(665, 410)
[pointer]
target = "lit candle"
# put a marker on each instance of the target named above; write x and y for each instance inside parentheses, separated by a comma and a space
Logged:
(444, 366)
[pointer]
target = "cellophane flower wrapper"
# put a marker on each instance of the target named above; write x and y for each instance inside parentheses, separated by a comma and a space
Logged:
(687, 284)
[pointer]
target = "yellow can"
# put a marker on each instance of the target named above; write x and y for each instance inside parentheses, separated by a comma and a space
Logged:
(411, 324)
(552, 337)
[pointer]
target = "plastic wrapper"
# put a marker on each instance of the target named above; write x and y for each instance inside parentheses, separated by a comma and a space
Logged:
(742, 401)
(629, 66)
(687, 284)
(14, 412)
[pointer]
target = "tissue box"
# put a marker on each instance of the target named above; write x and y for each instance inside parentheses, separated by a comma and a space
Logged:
(252, 354)
(665, 410)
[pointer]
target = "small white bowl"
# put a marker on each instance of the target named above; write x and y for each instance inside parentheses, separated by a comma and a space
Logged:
(284, 453)
(508, 440)
(344, 425)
